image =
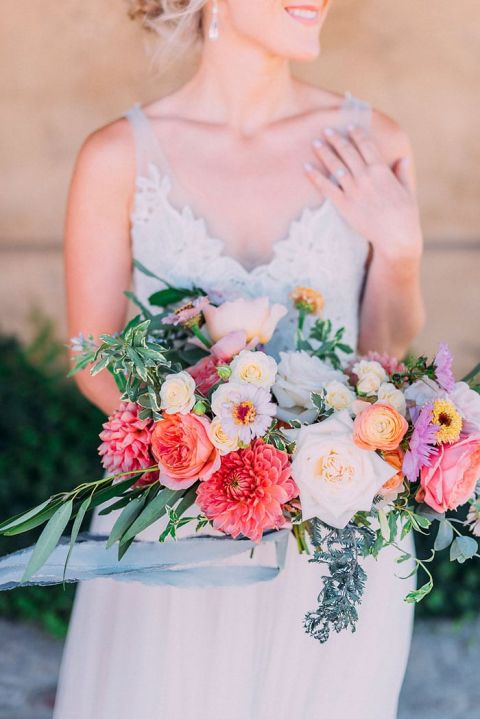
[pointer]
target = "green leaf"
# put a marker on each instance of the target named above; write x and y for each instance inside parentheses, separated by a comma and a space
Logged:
(48, 540)
(463, 548)
(126, 519)
(419, 594)
(187, 500)
(403, 558)
(34, 521)
(133, 298)
(22, 518)
(76, 529)
(170, 296)
(146, 271)
(384, 525)
(113, 490)
(444, 536)
(152, 512)
(422, 522)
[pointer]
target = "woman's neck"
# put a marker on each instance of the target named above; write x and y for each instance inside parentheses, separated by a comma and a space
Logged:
(242, 86)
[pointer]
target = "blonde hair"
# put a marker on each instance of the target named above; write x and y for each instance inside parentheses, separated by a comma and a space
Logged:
(177, 22)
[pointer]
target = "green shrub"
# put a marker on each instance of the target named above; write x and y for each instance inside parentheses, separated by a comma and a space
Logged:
(48, 442)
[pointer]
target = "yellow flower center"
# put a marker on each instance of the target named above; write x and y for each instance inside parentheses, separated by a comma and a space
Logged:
(331, 468)
(446, 417)
(244, 413)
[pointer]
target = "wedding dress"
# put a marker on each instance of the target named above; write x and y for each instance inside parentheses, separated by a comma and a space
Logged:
(138, 652)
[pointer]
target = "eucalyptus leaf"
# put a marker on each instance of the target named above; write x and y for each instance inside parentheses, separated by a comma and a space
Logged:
(126, 519)
(83, 509)
(48, 540)
(419, 594)
(152, 512)
(22, 518)
(463, 548)
(444, 536)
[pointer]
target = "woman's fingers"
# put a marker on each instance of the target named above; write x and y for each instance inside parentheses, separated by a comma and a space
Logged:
(346, 151)
(326, 187)
(365, 145)
(339, 172)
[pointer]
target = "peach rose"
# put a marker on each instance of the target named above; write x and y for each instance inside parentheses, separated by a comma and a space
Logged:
(452, 478)
(256, 317)
(379, 426)
(183, 450)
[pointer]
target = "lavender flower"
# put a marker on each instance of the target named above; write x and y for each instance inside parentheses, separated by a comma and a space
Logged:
(443, 368)
(422, 441)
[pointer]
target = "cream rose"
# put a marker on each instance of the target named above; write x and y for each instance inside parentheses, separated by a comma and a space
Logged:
(336, 478)
(338, 396)
(389, 394)
(370, 376)
(218, 437)
(298, 376)
(254, 368)
(256, 317)
(177, 394)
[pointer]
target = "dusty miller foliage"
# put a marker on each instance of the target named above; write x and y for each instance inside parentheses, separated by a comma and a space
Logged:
(343, 586)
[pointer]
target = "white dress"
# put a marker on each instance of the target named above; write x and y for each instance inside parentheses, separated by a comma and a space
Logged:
(173, 653)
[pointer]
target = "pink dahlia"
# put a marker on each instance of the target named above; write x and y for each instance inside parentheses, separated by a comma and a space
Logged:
(126, 442)
(246, 495)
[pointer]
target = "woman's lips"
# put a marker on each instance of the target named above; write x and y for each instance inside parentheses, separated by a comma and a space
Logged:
(306, 14)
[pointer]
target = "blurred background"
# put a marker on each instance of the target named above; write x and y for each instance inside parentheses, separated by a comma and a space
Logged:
(70, 67)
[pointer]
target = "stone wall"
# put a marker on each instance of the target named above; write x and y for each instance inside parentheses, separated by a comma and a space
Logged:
(68, 68)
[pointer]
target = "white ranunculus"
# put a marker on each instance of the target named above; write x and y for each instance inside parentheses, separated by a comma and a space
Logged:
(298, 376)
(218, 437)
(177, 393)
(255, 368)
(338, 396)
(389, 394)
(336, 478)
(467, 401)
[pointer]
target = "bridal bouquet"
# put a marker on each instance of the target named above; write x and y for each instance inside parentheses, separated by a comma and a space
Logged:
(349, 453)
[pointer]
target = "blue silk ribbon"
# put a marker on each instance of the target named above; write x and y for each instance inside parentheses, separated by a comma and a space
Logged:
(198, 561)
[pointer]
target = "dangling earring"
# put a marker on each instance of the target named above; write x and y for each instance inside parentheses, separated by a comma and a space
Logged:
(213, 31)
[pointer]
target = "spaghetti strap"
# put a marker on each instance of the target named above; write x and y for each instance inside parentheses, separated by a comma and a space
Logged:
(147, 146)
(355, 112)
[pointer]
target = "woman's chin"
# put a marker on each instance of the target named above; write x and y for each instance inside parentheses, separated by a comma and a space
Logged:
(300, 54)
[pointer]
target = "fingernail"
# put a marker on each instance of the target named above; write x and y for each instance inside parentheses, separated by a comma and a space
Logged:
(329, 131)
(308, 166)
(317, 142)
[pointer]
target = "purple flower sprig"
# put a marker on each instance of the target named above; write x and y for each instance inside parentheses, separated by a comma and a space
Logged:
(443, 368)
(422, 447)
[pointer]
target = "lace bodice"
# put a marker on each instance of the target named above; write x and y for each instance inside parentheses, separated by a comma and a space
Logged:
(320, 250)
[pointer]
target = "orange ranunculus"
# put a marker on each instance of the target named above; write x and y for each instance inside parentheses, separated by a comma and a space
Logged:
(183, 450)
(393, 487)
(379, 426)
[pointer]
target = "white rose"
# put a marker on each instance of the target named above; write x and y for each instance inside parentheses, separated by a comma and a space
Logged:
(336, 478)
(338, 395)
(218, 437)
(298, 376)
(177, 393)
(255, 368)
(369, 367)
(389, 394)
(369, 384)
(467, 401)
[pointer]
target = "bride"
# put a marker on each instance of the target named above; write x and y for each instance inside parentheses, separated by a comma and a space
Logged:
(304, 187)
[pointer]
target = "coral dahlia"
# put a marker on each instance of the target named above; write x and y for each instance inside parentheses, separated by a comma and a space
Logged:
(246, 495)
(126, 442)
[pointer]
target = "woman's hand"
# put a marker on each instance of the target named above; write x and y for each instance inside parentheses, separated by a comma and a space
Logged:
(376, 200)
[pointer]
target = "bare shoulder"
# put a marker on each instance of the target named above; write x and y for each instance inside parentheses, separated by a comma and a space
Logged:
(392, 139)
(108, 154)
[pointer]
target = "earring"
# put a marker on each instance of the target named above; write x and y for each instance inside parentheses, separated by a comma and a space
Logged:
(213, 31)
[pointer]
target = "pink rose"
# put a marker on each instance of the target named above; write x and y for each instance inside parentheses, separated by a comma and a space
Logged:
(451, 479)
(255, 317)
(183, 450)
